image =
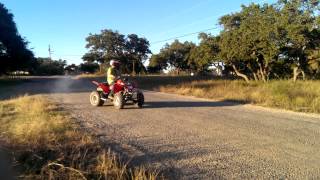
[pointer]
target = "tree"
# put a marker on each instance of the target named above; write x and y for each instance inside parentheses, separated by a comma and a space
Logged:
(71, 69)
(203, 55)
(157, 63)
(263, 42)
(297, 22)
(14, 54)
(105, 46)
(313, 36)
(89, 67)
(250, 41)
(260, 42)
(177, 55)
(313, 53)
(131, 51)
(46, 66)
(137, 50)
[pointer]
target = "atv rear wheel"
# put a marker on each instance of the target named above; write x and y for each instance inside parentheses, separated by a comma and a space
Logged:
(118, 101)
(95, 99)
(140, 100)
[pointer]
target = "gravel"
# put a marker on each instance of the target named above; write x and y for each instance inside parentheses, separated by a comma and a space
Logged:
(192, 138)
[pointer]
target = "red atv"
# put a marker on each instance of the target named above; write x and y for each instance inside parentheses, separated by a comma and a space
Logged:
(124, 91)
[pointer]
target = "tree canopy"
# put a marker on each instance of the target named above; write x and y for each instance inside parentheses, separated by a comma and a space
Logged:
(47, 66)
(260, 42)
(14, 54)
(130, 50)
(176, 56)
(205, 54)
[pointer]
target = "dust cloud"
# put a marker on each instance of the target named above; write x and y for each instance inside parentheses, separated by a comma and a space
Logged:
(62, 85)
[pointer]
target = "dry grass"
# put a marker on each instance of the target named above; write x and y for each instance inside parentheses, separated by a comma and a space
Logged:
(155, 82)
(303, 96)
(46, 144)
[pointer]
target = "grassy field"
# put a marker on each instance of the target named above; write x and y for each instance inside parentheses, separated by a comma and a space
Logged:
(302, 96)
(46, 144)
(155, 82)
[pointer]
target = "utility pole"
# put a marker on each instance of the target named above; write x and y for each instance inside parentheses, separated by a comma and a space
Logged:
(50, 52)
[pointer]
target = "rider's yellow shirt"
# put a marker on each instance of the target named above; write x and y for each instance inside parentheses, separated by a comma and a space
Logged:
(112, 74)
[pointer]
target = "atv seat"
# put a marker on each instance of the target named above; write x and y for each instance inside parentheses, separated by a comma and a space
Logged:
(105, 83)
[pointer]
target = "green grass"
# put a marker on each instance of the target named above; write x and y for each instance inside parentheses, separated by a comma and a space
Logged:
(47, 144)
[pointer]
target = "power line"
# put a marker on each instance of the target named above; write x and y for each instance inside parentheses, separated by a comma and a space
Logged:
(185, 35)
(165, 40)
(160, 41)
(156, 42)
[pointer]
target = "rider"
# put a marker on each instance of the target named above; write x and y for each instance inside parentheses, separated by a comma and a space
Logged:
(113, 74)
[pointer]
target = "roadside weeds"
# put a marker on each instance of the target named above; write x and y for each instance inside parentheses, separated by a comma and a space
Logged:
(46, 144)
(299, 96)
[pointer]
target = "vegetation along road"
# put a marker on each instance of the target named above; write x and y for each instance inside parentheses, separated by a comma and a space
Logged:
(188, 137)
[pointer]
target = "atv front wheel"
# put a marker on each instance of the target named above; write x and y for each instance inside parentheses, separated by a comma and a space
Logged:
(118, 101)
(95, 99)
(140, 100)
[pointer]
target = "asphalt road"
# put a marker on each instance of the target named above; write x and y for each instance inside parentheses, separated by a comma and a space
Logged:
(191, 138)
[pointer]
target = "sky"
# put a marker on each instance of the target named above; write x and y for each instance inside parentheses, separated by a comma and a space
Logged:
(64, 24)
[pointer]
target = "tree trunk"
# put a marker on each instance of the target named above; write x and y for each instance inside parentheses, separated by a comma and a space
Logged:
(276, 75)
(245, 77)
(262, 73)
(255, 77)
(295, 73)
(268, 76)
(263, 76)
(133, 68)
(303, 75)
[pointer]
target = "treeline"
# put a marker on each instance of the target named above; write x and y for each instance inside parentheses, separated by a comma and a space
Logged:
(47, 66)
(260, 42)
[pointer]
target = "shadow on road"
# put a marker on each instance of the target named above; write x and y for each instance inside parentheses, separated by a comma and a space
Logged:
(65, 84)
(190, 104)
(161, 162)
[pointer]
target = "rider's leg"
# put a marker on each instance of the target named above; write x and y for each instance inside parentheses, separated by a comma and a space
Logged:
(111, 90)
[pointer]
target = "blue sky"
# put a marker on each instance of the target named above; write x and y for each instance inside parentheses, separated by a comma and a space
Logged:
(64, 24)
